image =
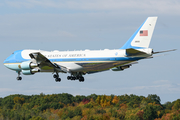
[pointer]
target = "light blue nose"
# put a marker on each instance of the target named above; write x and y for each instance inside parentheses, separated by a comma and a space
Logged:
(12, 66)
(12, 61)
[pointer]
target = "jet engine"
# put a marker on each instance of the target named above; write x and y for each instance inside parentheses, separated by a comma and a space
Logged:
(29, 68)
(28, 65)
(120, 68)
(30, 72)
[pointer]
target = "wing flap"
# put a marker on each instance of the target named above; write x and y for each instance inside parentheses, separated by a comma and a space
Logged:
(43, 61)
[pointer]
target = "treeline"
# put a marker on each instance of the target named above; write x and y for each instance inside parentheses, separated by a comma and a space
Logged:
(93, 107)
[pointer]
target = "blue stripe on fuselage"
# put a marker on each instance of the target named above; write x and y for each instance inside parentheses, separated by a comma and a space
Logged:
(17, 58)
(96, 59)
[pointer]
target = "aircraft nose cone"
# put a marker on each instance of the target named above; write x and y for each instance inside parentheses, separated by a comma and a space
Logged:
(7, 60)
(11, 66)
(6, 63)
(13, 61)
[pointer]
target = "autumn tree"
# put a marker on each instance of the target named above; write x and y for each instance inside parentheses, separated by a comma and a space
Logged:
(18, 100)
(104, 100)
(115, 100)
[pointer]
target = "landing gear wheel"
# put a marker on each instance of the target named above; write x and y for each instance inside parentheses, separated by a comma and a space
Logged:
(58, 79)
(19, 78)
(69, 77)
(55, 76)
(81, 79)
(72, 78)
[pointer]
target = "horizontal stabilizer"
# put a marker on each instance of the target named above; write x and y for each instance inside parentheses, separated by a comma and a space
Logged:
(164, 51)
(134, 52)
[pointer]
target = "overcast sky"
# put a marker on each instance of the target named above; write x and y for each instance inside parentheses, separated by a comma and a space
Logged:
(91, 24)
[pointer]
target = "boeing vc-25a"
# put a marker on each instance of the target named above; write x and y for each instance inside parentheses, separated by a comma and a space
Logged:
(79, 63)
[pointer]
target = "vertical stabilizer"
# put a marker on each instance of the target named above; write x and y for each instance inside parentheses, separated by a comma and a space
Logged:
(142, 37)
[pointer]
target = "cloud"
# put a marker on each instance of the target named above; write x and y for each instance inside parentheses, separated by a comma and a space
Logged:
(6, 90)
(161, 86)
(128, 6)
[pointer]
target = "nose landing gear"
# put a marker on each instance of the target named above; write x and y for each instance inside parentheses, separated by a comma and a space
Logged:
(19, 77)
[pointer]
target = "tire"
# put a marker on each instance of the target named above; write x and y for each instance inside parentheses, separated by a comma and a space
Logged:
(81, 79)
(55, 76)
(19, 78)
(68, 77)
(57, 79)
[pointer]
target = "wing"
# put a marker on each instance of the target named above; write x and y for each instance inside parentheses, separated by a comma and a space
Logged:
(42, 61)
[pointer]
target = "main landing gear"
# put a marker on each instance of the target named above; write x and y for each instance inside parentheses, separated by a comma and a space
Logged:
(81, 78)
(19, 77)
(76, 76)
(56, 76)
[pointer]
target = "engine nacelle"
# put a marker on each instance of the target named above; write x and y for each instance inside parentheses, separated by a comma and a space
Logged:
(30, 72)
(120, 68)
(28, 65)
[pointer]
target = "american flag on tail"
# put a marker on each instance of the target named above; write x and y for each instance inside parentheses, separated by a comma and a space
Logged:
(143, 33)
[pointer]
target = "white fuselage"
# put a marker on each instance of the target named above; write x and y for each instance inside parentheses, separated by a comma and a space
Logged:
(86, 61)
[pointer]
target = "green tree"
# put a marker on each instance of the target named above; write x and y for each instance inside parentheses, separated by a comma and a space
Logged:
(168, 105)
(89, 105)
(100, 111)
(176, 105)
(79, 98)
(93, 96)
(8, 102)
(154, 98)
(78, 111)
(149, 113)
(56, 105)
(37, 118)
(44, 107)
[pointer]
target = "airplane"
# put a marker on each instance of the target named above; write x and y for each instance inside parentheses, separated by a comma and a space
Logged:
(79, 63)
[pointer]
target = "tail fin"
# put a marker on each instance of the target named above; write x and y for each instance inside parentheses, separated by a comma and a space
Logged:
(142, 37)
